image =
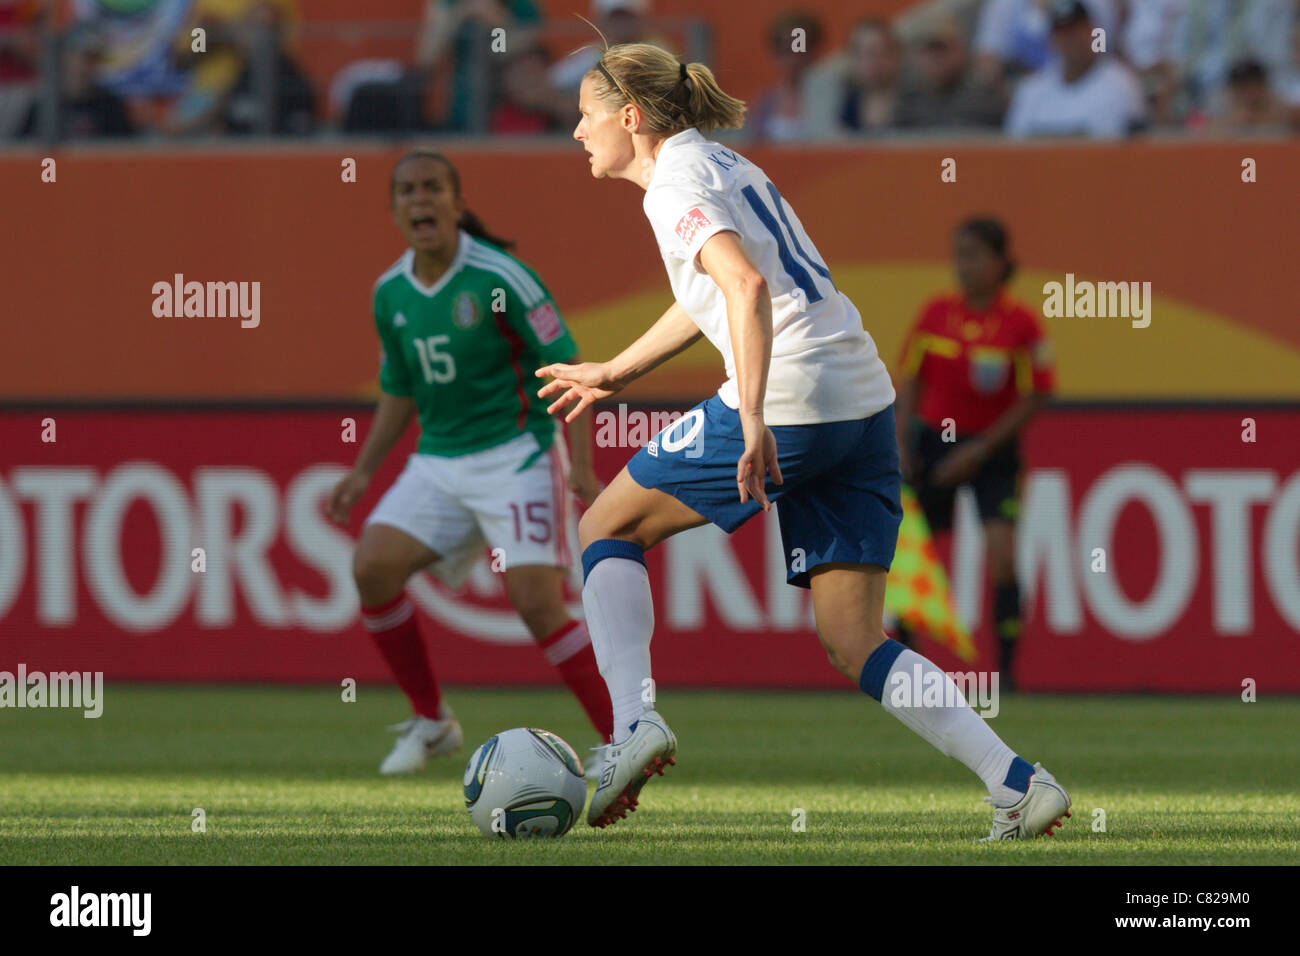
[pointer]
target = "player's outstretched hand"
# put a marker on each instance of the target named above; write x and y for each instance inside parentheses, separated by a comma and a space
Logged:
(758, 461)
(345, 494)
(584, 383)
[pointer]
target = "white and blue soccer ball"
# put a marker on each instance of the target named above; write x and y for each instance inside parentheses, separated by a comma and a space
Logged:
(525, 783)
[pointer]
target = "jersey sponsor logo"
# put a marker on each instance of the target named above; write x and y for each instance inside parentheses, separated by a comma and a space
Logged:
(466, 313)
(690, 224)
(545, 323)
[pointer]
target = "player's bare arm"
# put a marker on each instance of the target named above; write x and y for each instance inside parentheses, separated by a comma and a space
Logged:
(964, 460)
(590, 382)
(582, 471)
(392, 414)
(749, 323)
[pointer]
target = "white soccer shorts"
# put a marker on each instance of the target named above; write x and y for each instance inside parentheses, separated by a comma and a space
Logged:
(459, 506)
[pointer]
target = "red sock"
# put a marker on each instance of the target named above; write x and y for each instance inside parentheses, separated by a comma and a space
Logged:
(569, 649)
(396, 633)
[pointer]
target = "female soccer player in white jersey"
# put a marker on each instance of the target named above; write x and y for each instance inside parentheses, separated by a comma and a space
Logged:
(805, 419)
(462, 325)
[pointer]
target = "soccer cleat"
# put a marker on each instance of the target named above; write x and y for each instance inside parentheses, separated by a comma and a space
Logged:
(422, 738)
(1044, 805)
(591, 766)
(627, 767)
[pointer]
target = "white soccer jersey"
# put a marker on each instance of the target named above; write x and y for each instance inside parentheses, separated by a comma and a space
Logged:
(825, 367)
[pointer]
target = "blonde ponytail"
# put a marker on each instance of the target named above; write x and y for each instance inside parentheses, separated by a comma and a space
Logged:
(671, 96)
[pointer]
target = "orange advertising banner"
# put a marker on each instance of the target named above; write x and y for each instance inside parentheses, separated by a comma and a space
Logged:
(82, 255)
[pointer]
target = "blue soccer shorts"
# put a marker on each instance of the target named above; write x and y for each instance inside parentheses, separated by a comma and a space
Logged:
(840, 500)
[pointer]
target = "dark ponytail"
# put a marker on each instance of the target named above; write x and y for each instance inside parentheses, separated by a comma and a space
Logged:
(471, 224)
(468, 221)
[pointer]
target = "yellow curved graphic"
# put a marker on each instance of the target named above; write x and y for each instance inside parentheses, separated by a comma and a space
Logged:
(1185, 353)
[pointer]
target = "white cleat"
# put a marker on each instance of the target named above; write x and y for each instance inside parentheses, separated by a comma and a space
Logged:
(1044, 805)
(591, 766)
(422, 738)
(628, 766)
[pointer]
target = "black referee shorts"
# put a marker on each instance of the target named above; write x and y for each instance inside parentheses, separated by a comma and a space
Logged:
(996, 484)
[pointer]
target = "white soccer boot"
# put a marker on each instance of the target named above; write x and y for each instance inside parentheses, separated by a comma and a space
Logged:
(628, 766)
(591, 766)
(422, 738)
(1043, 806)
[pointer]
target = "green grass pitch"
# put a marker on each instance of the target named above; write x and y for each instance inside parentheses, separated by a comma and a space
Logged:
(288, 775)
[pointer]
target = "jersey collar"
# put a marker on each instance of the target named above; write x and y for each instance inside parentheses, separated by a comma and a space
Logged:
(691, 135)
(408, 267)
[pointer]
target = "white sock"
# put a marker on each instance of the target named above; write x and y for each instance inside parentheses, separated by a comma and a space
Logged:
(621, 619)
(955, 730)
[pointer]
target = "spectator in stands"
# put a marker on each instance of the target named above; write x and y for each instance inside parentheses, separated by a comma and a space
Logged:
(779, 113)
(868, 99)
(1015, 36)
(1288, 82)
(139, 36)
(946, 92)
(456, 38)
(86, 109)
(292, 101)
(527, 103)
(18, 56)
(1148, 42)
(1251, 106)
(1080, 92)
(233, 33)
(1150, 31)
(1216, 34)
(911, 24)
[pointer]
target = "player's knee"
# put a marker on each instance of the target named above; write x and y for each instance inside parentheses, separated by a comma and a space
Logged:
(833, 655)
(848, 653)
(592, 526)
(377, 577)
(838, 654)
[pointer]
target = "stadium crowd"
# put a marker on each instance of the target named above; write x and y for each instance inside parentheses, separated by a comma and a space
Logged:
(1025, 68)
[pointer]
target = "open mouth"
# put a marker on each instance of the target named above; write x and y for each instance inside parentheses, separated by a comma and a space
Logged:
(424, 226)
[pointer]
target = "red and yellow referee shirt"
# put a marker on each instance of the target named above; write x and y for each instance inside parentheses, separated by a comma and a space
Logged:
(973, 366)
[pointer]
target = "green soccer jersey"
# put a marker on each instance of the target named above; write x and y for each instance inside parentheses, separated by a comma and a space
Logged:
(465, 349)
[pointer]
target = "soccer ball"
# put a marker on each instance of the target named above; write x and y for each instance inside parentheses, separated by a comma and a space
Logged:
(525, 783)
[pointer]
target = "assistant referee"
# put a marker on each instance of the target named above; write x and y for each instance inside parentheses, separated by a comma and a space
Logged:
(975, 368)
